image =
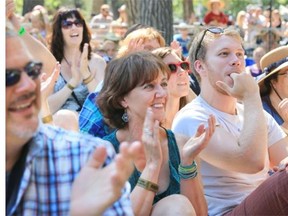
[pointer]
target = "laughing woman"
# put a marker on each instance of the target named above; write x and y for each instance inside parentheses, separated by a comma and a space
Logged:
(81, 70)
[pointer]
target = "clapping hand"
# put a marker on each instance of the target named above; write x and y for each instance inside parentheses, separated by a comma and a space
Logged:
(197, 143)
(96, 187)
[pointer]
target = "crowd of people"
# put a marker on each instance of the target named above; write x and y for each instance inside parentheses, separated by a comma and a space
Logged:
(146, 127)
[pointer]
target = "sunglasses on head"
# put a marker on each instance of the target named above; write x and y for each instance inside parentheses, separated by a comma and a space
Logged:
(13, 75)
(174, 66)
(214, 30)
(66, 24)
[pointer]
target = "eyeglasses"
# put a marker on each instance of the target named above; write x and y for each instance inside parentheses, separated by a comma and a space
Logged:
(174, 66)
(65, 24)
(33, 70)
(214, 30)
(274, 65)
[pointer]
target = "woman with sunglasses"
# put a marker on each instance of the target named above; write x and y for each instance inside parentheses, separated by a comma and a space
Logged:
(133, 100)
(81, 70)
(180, 92)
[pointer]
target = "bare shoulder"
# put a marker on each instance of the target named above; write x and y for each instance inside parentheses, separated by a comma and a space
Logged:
(97, 65)
(95, 58)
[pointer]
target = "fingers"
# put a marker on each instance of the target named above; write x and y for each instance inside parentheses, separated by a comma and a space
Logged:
(84, 53)
(98, 157)
(200, 130)
(224, 87)
(148, 123)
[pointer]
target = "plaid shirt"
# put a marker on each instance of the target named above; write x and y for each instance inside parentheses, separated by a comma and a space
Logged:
(90, 118)
(54, 159)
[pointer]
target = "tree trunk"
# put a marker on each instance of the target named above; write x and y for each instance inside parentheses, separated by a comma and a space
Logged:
(158, 14)
(133, 8)
(188, 9)
(29, 4)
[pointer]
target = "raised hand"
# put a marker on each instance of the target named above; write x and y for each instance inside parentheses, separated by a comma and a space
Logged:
(10, 8)
(151, 140)
(96, 187)
(283, 165)
(243, 86)
(75, 70)
(135, 45)
(47, 83)
(84, 62)
(197, 143)
(177, 47)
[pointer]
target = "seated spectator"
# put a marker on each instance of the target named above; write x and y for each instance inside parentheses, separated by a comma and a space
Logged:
(133, 100)
(37, 183)
(103, 17)
(255, 69)
(274, 85)
(214, 16)
(247, 141)
(183, 38)
(81, 70)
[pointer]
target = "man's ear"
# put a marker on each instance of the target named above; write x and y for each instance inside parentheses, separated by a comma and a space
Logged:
(199, 67)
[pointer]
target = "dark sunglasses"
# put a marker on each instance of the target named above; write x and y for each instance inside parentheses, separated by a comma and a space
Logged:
(65, 24)
(33, 70)
(274, 65)
(214, 30)
(174, 66)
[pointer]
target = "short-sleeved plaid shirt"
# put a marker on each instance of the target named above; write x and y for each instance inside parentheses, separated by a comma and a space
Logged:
(54, 159)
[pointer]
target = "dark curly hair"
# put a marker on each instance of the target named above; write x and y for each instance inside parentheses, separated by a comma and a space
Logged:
(122, 75)
(57, 41)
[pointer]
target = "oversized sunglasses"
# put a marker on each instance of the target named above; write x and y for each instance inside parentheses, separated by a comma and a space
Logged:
(13, 75)
(66, 24)
(174, 66)
(214, 30)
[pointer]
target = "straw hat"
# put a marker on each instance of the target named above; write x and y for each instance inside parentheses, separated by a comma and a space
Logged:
(209, 4)
(271, 63)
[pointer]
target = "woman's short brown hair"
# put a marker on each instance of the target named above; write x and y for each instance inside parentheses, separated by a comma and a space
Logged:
(122, 75)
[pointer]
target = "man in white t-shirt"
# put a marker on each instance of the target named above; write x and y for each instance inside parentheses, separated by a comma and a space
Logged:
(247, 141)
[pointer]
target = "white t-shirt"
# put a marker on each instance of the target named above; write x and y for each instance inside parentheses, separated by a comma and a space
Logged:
(223, 189)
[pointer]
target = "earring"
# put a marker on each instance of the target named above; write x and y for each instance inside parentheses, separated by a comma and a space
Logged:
(125, 117)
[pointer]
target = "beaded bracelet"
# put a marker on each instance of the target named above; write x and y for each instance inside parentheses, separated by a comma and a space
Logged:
(21, 31)
(188, 172)
(71, 87)
(88, 79)
(47, 119)
(148, 185)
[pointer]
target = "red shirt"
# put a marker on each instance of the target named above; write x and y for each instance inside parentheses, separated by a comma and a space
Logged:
(220, 18)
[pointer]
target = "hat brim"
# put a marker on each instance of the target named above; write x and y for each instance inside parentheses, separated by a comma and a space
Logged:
(261, 80)
(209, 3)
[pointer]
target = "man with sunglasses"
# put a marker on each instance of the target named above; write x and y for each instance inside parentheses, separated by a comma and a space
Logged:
(42, 161)
(247, 141)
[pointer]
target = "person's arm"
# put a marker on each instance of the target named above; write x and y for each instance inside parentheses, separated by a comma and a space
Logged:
(57, 99)
(39, 51)
(278, 154)
(141, 197)
(247, 153)
(190, 184)
(96, 188)
(47, 86)
(97, 67)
